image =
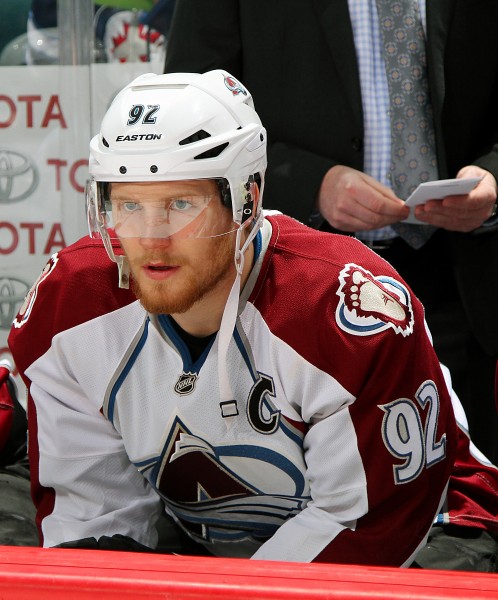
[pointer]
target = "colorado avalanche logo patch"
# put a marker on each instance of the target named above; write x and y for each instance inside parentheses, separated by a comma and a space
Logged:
(371, 304)
(186, 383)
(234, 86)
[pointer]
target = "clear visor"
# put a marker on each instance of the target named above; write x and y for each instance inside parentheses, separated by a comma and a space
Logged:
(185, 215)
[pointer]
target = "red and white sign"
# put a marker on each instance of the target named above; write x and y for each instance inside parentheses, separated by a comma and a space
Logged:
(48, 115)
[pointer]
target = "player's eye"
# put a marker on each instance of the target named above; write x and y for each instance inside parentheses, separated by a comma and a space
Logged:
(130, 207)
(180, 204)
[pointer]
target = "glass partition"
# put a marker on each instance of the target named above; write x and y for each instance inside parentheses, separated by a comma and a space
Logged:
(61, 63)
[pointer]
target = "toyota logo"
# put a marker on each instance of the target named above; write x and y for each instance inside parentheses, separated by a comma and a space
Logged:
(18, 176)
(12, 293)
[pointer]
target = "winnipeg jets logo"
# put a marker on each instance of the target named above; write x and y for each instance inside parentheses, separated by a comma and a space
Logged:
(371, 304)
(186, 384)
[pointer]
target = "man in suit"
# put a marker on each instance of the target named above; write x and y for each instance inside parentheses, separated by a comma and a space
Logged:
(318, 146)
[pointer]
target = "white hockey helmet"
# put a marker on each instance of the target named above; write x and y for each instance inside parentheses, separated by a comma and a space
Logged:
(180, 126)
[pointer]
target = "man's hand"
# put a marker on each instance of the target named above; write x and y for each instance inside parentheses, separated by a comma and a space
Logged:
(465, 212)
(350, 200)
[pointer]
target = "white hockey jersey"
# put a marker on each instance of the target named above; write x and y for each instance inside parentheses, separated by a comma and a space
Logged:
(337, 446)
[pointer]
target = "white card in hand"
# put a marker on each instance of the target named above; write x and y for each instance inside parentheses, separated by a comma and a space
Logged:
(437, 190)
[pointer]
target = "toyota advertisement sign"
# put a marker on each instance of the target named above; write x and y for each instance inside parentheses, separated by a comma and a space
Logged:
(47, 116)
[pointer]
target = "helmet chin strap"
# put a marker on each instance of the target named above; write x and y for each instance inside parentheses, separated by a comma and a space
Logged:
(124, 271)
(120, 260)
(229, 318)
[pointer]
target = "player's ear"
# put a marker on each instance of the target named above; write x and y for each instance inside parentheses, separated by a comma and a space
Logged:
(255, 192)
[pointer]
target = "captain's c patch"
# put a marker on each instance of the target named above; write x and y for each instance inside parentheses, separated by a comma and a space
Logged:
(371, 304)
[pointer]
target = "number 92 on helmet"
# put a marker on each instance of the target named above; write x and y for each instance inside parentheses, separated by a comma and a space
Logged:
(176, 127)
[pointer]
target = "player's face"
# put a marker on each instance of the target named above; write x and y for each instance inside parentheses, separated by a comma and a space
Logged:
(171, 275)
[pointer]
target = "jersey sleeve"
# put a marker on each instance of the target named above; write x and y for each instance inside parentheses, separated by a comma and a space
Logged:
(381, 437)
(472, 493)
(71, 466)
(72, 447)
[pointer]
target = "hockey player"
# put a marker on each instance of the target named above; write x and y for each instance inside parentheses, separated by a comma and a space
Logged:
(273, 389)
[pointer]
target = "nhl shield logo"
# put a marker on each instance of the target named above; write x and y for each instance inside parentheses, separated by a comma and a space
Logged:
(186, 384)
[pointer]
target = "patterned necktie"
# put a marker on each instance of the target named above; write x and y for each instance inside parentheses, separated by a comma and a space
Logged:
(413, 148)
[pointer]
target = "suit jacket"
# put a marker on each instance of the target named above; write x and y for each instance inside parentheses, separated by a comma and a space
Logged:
(297, 58)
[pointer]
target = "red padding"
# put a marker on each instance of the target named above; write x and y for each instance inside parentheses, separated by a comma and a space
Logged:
(54, 573)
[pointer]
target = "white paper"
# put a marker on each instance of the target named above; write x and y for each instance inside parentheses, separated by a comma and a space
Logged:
(437, 190)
